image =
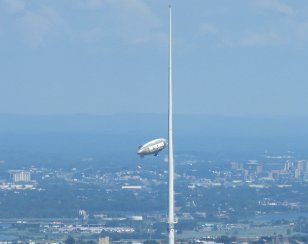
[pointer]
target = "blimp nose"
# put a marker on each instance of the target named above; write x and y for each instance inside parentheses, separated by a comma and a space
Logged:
(139, 151)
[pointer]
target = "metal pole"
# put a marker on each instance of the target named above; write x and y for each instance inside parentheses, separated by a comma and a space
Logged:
(171, 221)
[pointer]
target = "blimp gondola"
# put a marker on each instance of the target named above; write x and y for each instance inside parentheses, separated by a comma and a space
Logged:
(152, 147)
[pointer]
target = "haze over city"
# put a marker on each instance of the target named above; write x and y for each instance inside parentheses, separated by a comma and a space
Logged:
(86, 152)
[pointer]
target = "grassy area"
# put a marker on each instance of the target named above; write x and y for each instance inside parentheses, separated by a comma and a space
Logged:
(34, 234)
(248, 232)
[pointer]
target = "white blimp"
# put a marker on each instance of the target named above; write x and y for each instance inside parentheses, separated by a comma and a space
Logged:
(152, 147)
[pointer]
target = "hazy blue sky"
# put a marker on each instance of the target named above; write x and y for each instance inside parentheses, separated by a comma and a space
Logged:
(231, 57)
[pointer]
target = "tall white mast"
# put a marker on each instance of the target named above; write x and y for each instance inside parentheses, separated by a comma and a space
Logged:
(171, 220)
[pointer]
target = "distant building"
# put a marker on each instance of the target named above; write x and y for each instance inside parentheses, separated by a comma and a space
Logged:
(21, 176)
(236, 166)
(259, 169)
(104, 240)
(301, 165)
(83, 214)
(135, 218)
(132, 187)
(297, 173)
(288, 166)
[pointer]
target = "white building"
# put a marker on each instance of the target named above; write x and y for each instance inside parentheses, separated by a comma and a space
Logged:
(21, 176)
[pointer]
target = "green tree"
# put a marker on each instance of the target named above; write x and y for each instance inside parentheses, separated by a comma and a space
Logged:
(150, 242)
(70, 240)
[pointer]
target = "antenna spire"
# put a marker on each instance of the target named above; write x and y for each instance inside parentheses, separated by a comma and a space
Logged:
(171, 220)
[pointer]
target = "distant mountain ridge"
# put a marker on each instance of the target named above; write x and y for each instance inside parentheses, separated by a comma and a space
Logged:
(60, 139)
(156, 123)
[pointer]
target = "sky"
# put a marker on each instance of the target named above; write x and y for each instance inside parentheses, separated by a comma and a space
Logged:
(230, 57)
